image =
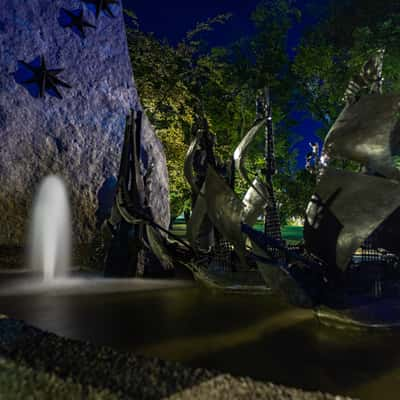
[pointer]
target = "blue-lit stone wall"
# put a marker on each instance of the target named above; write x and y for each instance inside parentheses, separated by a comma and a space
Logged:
(72, 126)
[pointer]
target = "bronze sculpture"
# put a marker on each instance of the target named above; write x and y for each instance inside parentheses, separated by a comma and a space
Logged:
(348, 268)
(348, 271)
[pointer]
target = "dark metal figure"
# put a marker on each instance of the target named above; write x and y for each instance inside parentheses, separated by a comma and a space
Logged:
(77, 21)
(312, 159)
(309, 166)
(103, 5)
(369, 80)
(125, 227)
(45, 78)
(202, 158)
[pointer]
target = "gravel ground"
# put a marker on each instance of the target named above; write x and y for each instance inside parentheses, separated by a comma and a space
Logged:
(19, 382)
(41, 365)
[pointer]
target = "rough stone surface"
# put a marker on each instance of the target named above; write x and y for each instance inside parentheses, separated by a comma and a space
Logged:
(78, 137)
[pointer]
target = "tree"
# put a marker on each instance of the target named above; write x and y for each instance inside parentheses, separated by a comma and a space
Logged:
(166, 77)
(175, 82)
(336, 48)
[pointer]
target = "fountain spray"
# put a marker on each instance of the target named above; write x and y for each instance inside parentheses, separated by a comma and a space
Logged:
(50, 233)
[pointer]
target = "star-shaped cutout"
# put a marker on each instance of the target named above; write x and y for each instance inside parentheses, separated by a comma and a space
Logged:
(46, 79)
(103, 5)
(76, 20)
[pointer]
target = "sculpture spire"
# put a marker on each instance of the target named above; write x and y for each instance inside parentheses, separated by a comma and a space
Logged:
(272, 225)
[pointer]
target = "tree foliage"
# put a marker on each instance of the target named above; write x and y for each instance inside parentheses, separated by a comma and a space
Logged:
(176, 81)
(335, 49)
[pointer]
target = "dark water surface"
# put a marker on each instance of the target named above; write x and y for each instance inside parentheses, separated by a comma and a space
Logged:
(257, 336)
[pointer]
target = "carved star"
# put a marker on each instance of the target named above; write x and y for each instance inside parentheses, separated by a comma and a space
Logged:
(102, 5)
(45, 78)
(78, 21)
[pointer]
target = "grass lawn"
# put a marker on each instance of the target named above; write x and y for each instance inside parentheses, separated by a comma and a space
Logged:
(289, 233)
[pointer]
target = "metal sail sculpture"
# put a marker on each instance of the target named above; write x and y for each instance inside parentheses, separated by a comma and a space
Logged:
(367, 132)
(123, 236)
(257, 195)
(130, 234)
(349, 269)
(216, 252)
(223, 262)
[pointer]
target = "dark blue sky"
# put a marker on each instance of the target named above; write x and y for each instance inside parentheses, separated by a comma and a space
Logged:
(172, 19)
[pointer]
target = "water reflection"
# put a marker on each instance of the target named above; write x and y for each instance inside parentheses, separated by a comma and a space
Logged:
(257, 336)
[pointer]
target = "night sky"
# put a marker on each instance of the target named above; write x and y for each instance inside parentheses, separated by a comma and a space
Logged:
(174, 18)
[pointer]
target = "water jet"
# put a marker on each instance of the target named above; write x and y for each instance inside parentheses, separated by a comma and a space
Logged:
(50, 231)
